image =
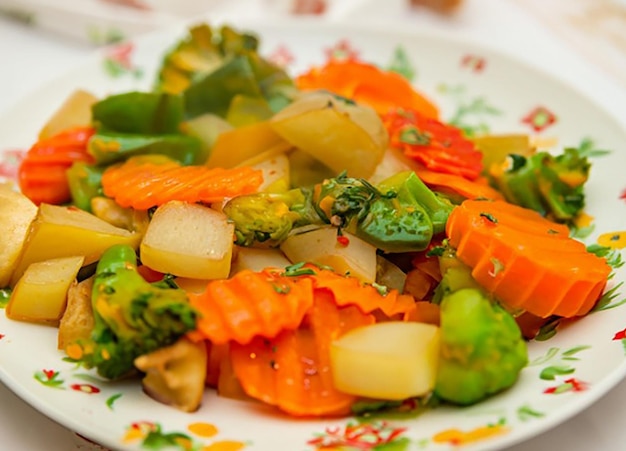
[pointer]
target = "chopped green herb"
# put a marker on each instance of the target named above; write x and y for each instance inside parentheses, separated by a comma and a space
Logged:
(281, 289)
(298, 269)
(5, 295)
(489, 217)
(412, 135)
(382, 289)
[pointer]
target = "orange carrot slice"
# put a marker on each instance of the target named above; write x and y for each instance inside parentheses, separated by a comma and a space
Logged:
(142, 184)
(351, 291)
(251, 304)
(468, 189)
(367, 84)
(292, 370)
(528, 262)
(42, 174)
(438, 146)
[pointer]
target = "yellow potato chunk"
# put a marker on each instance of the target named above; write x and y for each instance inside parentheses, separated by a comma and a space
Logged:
(275, 169)
(188, 240)
(66, 231)
(17, 212)
(235, 146)
(321, 246)
(342, 136)
(390, 360)
(41, 293)
(257, 259)
(74, 112)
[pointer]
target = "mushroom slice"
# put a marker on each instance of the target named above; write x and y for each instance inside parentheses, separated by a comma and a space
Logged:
(175, 375)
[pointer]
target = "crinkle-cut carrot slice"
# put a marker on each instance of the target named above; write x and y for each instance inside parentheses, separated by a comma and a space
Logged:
(367, 84)
(351, 291)
(292, 370)
(451, 183)
(142, 184)
(509, 214)
(526, 261)
(42, 175)
(251, 304)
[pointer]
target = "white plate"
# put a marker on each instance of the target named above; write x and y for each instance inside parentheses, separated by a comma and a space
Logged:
(118, 415)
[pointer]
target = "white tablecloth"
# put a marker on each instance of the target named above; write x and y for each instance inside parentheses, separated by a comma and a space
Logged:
(30, 57)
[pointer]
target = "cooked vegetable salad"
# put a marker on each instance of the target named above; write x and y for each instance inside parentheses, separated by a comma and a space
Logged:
(317, 243)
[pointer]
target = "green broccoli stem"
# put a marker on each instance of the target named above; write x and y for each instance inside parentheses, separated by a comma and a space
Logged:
(131, 316)
(115, 258)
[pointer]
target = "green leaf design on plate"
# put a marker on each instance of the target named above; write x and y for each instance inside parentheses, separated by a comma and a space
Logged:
(111, 400)
(470, 115)
(158, 440)
(607, 301)
(549, 373)
(550, 353)
(50, 378)
(401, 64)
(575, 350)
(526, 413)
(587, 148)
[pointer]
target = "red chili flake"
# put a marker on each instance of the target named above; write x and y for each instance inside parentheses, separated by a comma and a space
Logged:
(343, 240)
(539, 119)
(474, 62)
(85, 388)
(282, 57)
(342, 51)
(620, 335)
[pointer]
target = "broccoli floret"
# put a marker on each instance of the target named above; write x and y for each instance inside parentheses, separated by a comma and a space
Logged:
(132, 317)
(267, 217)
(551, 185)
(482, 349)
(399, 215)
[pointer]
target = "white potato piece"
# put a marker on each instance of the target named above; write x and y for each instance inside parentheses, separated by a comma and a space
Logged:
(389, 274)
(389, 360)
(175, 375)
(340, 135)
(65, 232)
(275, 168)
(320, 246)
(41, 293)
(125, 218)
(74, 112)
(17, 212)
(393, 162)
(257, 259)
(188, 240)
